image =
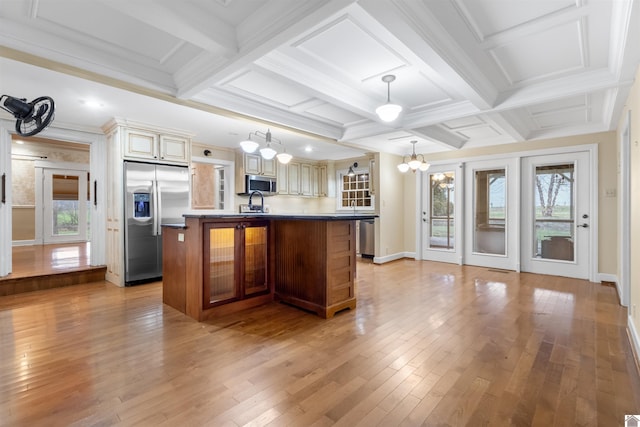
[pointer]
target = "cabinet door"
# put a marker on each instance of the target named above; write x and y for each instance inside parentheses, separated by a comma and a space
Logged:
(294, 178)
(305, 180)
(322, 181)
(252, 164)
(283, 178)
(221, 272)
(269, 167)
(141, 144)
(174, 148)
(255, 258)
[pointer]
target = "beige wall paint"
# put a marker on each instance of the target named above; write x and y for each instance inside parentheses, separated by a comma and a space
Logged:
(607, 179)
(633, 106)
(391, 199)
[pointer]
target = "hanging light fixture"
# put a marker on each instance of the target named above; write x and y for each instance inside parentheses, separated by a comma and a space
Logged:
(249, 146)
(414, 163)
(267, 152)
(351, 172)
(389, 111)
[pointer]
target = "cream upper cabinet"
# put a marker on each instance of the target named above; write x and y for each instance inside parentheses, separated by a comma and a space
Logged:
(254, 164)
(150, 145)
(302, 179)
(319, 181)
(306, 187)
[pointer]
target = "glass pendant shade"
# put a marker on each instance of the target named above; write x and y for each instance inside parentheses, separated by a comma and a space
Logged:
(249, 146)
(284, 158)
(388, 112)
(268, 153)
(424, 166)
(403, 167)
(414, 163)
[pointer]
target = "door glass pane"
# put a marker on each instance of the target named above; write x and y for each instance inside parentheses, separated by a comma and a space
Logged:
(222, 280)
(65, 205)
(490, 212)
(554, 212)
(255, 259)
(442, 231)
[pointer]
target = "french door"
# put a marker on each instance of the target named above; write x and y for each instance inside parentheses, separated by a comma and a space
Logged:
(65, 198)
(491, 214)
(556, 215)
(441, 214)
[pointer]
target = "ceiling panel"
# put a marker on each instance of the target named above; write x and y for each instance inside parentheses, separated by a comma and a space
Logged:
(345, 46)
(468, 72)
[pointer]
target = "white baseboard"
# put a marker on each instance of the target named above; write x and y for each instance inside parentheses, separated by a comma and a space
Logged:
(635, 339)
(393, 257)
(606, 277)
(23, 242)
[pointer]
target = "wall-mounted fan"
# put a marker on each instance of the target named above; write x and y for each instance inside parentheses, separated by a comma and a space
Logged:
(32, 117)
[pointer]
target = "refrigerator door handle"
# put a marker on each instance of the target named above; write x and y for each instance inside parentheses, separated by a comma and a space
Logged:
(156, 214)
(158, 217)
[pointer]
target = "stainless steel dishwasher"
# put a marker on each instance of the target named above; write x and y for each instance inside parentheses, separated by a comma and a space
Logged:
(367, 238)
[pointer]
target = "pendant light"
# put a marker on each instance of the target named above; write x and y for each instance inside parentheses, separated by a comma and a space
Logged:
(267, 152)
(389, 111)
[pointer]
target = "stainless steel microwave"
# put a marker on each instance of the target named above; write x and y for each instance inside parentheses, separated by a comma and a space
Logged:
(266, 185)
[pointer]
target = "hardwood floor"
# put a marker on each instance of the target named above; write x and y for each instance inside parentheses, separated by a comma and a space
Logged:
(38, 260)
(50, 266)
(428, 344)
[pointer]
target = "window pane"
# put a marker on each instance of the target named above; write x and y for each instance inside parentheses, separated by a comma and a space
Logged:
(554, 212)
(442, 210)
(490, 212)
(65, 205)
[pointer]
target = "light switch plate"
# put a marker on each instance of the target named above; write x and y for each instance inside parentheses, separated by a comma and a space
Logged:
(180, 237)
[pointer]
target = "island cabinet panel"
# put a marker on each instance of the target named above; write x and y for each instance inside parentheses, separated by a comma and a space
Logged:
(315, 264)
(237, 255)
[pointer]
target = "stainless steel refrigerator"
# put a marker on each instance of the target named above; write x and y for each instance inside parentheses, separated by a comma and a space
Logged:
(154, 195)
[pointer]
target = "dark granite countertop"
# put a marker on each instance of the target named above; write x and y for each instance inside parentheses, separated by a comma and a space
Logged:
(308, 217)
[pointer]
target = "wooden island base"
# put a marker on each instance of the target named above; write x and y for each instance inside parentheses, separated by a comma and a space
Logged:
(305, 261)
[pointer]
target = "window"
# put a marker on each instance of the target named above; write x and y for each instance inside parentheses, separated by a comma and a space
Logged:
(355, 191)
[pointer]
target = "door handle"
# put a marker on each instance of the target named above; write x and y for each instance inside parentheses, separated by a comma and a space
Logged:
(4, 188)
(585, 225)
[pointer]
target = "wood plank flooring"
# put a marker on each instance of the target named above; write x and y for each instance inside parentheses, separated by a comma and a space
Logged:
(428, 344)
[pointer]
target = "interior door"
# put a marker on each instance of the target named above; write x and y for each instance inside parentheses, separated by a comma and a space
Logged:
(556, 216)
(440, 215)
(491, 214)
(66, 197)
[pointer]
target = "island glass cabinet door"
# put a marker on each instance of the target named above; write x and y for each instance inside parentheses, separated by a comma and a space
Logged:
(235, 262)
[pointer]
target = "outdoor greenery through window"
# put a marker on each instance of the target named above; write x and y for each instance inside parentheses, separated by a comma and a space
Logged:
(554, 212)
(355, 191)
(442, 210)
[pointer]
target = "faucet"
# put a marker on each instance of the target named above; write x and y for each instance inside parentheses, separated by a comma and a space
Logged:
(256, 208)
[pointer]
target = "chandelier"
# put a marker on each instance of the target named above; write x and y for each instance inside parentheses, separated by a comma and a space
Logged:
(413, 163)
(267, 152)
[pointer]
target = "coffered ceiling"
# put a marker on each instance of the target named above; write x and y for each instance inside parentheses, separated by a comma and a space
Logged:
(468, 73)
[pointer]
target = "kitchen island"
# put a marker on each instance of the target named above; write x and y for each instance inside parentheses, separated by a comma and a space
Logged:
(219, 264)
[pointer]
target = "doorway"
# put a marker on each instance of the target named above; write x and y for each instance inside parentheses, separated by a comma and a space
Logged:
(441, 214)
(65, 202)
(556, 215)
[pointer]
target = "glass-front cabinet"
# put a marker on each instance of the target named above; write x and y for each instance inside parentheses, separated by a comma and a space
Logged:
(236, 256)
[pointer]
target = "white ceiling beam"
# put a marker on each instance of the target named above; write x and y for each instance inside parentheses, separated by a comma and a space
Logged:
(270, 27)
(441, 136)
(511, 123)
(415, 26)
(216, 36)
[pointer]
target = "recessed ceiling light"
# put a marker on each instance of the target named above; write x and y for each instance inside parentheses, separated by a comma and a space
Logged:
(19, 141)
(92, 104)
(308, 149)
